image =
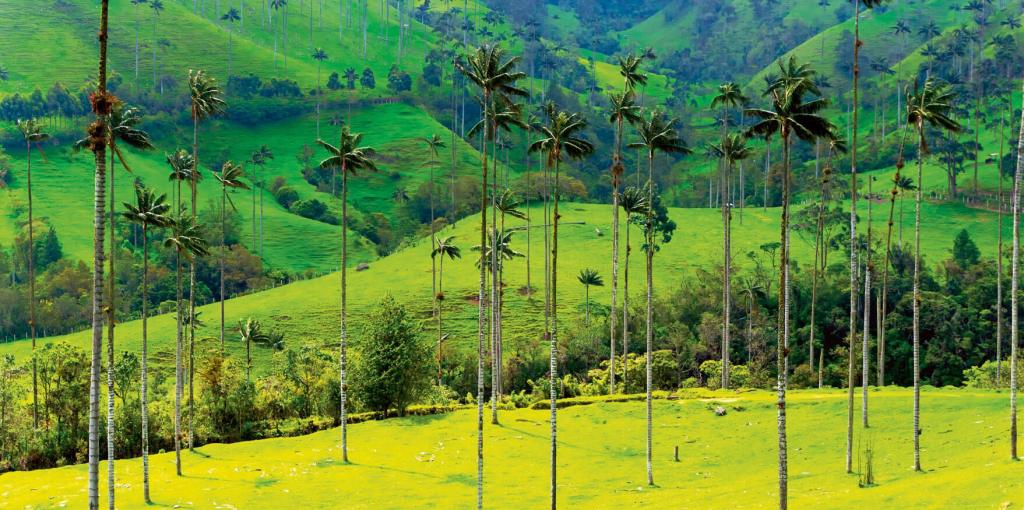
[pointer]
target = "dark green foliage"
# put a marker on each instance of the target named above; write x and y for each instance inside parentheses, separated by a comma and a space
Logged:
(965, 252)
(399, 80)
(315, 210)
(334, 82)
(367, 80)
(394, 366)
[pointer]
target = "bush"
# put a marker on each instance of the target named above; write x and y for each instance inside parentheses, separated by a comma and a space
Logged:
(712, 370)
(984, 377)
(395, 367)
(314, 210)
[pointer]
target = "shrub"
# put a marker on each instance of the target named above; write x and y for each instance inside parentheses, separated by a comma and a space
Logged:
(395, 367)
(984, 377)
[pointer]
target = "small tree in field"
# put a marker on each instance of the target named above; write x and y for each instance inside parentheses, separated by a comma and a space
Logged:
(395, 366)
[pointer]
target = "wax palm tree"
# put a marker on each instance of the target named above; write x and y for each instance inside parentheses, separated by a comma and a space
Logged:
(790, 116)
(230, 17)
(349, 158)
(507, 204)
(434, 143)
(123, 125)
(623, 109)
(101, 102)
(821, 245)
(932, 106)
(560, 139)
(135, 9)
(1014, 285)
(33, 134)
(492, 72)
(148, 212)
(156, 6)
(656, 134)
(899, 184)
(732, 150)
(250, 330)
(230, 177)
(444, 247)
(632, 76)
(634, 204)
(277, 5)
(589, 278)
(319, 55)
(259, 158)
(187, 243)
(206, 101)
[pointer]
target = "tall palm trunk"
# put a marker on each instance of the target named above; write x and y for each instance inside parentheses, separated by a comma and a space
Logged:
(481, 319)
(865, 353)
(888, 254)
(853, 241)
(179, 340)
(554, 342)
(999, 260)
(495, 290)
(223, 250)
(440, 337)
(1015, 270)
(782, 347)
(917, 298)
(625, 311)
(617, 170)
(650, 309)
(98, 134)
(192, 288)
(815, 272)
(344, 307)
(727, 275)
(110, 343)
(32, 287)
(144, 378)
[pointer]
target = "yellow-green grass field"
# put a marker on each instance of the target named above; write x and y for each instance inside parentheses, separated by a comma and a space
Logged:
(726, 462)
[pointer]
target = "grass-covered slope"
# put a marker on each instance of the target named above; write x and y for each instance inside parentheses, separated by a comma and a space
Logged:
(308, 310)
(726, 462)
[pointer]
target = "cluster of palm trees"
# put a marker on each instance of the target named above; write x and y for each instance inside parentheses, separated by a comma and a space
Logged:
(794, 113)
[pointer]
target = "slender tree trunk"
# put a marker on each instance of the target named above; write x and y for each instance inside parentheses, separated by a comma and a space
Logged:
(782, 347)
(650, 311)
(853, 240)
(495, 290)
(144, 391)
(617, 170)
(625, 311)
(999, 260)
(481, 321)
(192, 291)
(726, 276)
(554, 343)
(917, 299)
(1015, 271)
(111, 307)
(815, 271)
(865, 354)
(32, 287)
(440, 337)
(98, 135)
(223, 253)
(344, 308)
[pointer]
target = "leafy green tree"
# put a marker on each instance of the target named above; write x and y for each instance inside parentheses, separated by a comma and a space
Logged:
(348, 158)
(965, 252)
(656, 134)
(932, 106)
(33, 133)
(394, 366)
(250, 330)
(149, 211)
(231, 16)
(367, 80)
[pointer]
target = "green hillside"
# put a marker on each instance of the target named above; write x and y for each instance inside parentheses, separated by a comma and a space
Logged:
(726, 462)
(308, 310)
